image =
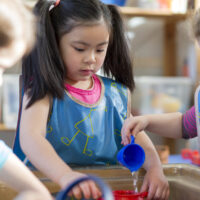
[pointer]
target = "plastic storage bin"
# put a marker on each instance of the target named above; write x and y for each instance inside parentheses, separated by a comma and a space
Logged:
(161, 94)
(116, 2)
(10, 92)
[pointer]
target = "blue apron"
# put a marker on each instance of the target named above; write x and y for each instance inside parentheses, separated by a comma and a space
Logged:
(84, 134)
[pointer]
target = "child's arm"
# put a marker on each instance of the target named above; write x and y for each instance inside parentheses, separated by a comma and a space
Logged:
(154, 181)
(15, 174)
(41, 153)
(168, 125)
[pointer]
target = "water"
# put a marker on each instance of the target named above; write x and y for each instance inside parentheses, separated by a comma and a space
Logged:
(135, 180)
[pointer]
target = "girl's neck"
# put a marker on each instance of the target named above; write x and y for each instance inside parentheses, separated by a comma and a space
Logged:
(84, 85)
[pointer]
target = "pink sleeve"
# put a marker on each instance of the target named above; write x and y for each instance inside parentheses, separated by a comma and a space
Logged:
(189, 128)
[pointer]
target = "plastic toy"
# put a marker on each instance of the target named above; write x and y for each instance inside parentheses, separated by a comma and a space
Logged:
(131, 156)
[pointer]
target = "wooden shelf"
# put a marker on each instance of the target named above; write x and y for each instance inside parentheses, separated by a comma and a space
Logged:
(5, 129)
(139, 12)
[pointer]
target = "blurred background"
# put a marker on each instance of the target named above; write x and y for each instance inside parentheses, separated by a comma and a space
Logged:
(165, 59)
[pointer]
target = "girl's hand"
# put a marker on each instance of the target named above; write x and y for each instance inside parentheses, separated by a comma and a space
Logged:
(132, 126)
(86, 189)
(156, 184)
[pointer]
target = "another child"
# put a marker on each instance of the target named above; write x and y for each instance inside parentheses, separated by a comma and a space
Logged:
(172, 125)
(16, 175)
(71, 116)
(15, 20)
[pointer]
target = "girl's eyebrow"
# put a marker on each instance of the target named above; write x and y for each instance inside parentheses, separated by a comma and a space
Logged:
(86, 44)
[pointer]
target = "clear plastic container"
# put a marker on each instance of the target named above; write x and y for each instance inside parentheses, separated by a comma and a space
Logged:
(161, 94)
(10, 99)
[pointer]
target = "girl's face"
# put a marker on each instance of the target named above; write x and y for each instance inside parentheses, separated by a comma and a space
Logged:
(83, 51)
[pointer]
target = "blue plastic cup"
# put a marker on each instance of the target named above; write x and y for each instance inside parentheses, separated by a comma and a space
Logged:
(116, 2)
(131, 156)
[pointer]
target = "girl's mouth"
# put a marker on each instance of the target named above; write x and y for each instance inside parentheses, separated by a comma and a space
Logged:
(87, 72)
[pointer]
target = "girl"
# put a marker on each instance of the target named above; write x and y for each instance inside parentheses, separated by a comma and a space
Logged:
(86, 112)
(172, 125)
(14, 42)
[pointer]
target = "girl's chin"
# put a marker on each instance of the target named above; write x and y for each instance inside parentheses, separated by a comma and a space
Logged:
(78, 80)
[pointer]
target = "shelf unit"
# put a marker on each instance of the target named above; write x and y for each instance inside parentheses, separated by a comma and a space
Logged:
(169, 59)
(139, 12)
(170, 21)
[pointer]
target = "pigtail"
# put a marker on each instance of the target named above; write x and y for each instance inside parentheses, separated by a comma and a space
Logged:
(118, 62)
(43, 70)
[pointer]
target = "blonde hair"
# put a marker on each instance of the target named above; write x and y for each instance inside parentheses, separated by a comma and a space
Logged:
(16, 19)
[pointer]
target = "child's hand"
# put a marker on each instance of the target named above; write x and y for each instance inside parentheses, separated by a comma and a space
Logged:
(156, 184)
(132, 126)
(86, 189)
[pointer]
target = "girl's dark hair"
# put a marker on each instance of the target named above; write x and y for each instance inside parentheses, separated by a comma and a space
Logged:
(43, 70)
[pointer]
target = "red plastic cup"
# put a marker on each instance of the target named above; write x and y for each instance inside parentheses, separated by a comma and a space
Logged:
(128, 195)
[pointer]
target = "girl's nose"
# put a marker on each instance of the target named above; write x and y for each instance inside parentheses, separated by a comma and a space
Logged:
(90, 58)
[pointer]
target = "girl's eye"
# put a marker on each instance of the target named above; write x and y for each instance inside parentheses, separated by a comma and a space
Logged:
(78, 49)
(100, 50)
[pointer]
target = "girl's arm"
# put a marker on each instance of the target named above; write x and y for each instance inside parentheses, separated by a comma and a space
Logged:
(154, 181)
(15, 174)
(41, 153)
(33, 141)
(167, 125)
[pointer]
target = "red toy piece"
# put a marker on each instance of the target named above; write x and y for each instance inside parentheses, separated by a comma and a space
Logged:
(195, 158)
(186, 153)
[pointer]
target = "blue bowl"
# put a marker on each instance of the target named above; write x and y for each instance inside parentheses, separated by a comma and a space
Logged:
(116, 2)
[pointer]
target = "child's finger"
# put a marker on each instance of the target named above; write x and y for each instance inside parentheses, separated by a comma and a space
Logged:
(85, 189)
(125, 128)
(125, 140)
(144, 186)
(128, 126)
(158, 193)
(151, 192)
(77, 193)
(136, 130)
(165, 194)
(96, 193)
(70, 193)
